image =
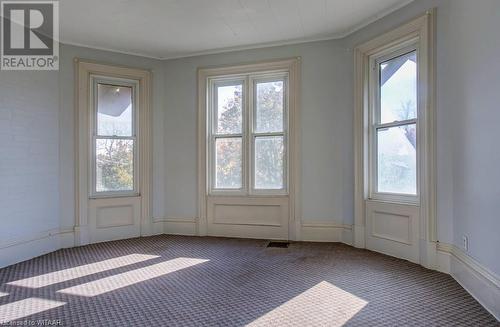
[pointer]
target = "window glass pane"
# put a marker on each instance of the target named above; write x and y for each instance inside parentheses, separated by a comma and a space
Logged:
(228, 163)
(114, 110)
(229, 109)
(114, 165)
(269, 155)
(398, 88)
(397, 160)
(269, 107)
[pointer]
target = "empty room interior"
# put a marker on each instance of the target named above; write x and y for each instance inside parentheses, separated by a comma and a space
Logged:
(250, 162)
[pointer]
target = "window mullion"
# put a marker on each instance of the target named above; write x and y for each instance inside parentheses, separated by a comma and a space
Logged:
(249, 127)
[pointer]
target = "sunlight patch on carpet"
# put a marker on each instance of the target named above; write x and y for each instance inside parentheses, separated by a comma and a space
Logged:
(81, 271)
(322, 305)
(24, 308)
(111, 283)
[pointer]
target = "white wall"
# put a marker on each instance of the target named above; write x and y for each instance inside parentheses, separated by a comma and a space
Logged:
(29, 164)
(473, 83)
(327, 190)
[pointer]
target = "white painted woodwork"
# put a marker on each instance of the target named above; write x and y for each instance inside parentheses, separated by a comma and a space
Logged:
(259, 217)
(393, 229)
(112, 217)
(268, 216)
(404, 230)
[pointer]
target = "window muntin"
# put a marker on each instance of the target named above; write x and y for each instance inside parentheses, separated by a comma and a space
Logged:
(395, 125)
(251, 159)
(114, 137)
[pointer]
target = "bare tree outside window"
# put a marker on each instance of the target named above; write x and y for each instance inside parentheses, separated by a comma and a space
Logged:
(228, 158)
(114, 139)
(397, 144)
(244, 137)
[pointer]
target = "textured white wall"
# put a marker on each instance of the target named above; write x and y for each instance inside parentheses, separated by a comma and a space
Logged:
(29, 157)
(473, 99)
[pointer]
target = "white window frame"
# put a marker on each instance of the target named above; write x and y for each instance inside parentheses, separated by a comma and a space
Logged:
(253, 81)
(213, 84)
(86, 206)
(95, 80)
(248, 134)
(375, 60)
(422, 29)
(290, 66)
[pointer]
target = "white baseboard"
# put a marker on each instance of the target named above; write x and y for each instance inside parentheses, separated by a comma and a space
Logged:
(66, 238)
(157, 227)
(322, 231)
(477, 280)
(311, 231)
(348, 235)
(443, 257)
(178, 226)
(359, 236)
(34, 246)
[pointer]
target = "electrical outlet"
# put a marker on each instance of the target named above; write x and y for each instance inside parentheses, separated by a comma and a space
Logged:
(465, 242)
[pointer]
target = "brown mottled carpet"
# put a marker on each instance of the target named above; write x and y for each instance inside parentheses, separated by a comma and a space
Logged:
(190, 281)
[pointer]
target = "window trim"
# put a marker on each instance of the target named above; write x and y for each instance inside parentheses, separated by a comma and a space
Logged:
(290, 65)
(85, 204)
(423, 29)
(248, 135)
(95, 80)
(374, 118)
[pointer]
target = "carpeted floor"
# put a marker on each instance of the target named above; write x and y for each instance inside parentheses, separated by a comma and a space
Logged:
(190, 281)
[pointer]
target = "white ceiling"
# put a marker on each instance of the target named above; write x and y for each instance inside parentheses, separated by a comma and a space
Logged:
(177, 28)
